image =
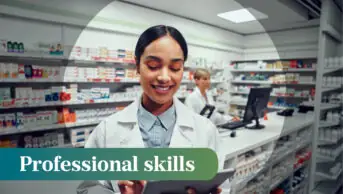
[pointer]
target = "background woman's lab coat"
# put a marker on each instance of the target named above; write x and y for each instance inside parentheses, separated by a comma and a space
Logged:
(197, 102)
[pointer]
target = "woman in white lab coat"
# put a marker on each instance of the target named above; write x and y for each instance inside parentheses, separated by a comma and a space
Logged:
(157, 118)
(200, 97)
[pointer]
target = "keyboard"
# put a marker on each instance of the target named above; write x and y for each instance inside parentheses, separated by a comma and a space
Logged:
(233, 125)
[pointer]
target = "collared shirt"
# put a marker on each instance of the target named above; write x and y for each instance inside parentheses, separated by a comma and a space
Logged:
(156, 130)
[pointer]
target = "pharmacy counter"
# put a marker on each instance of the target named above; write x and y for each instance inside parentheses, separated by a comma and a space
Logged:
(269, 151)
(275, 127)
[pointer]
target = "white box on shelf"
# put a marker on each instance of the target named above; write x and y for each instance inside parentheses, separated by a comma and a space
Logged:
(6, 71)
(35, 97)
(14, 70)
(30, 120)
(2, 73)
(21, 72)
(25, 95)
(20, 120)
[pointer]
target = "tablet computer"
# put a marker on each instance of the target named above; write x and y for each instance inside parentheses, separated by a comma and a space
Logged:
(207, 111)
(180, 187)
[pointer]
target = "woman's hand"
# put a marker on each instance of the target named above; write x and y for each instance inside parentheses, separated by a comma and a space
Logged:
(215, 191)
(131, 187)
(235, 118)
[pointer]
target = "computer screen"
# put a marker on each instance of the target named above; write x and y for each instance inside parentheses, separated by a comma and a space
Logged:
(256, 105)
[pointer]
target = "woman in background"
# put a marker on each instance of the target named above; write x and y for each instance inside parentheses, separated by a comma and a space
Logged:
(200, 97)
(157, 119)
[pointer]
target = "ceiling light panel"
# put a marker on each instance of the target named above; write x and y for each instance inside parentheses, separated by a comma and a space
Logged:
(243, 15)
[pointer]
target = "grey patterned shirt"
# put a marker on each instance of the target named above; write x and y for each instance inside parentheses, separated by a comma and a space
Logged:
(156, 130)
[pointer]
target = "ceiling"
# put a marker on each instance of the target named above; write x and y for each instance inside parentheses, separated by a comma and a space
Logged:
(282, 14)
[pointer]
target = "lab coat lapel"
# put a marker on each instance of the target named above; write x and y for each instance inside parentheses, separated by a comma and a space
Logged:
(210, 99)
(130, 135)
(182, 137)
(184, 133)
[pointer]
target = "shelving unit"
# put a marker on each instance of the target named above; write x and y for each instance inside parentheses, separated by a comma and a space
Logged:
(288, 78)
(273, 163)
(82, 81)
(326, 167)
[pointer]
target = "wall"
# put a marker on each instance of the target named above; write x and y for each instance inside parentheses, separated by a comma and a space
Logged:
(297, 43)
(116, 25)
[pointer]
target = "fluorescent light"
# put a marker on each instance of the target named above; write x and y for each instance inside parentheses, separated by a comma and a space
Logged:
(242, 15)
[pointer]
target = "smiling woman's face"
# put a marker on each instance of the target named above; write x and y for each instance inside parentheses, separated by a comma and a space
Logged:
(161, 69)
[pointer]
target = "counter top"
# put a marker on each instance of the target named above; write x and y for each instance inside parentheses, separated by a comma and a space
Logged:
(275, 127)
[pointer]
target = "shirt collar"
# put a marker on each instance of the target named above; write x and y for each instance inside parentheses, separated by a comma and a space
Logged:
(147, 120)
(197, 90)
(168, 118)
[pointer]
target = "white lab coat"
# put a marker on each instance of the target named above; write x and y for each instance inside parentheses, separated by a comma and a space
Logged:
(121, 130)
(196, 101)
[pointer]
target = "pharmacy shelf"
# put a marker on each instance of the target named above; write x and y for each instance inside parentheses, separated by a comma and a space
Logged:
(301, 185)
(95, 80)
(244, 103)
(274, 70)
(238, 92)
(65, 103)
(323, 124)
(33, 56)
(331, 38)
(302, 145)
(301, 166)
(46, 127)
(330, 158)
(274, 95)
(328, 141)
(11, 131)
(101, 62)
(241, 183)
(331, 70)
(63, 146)
(331, 31)
(75, 60)
(70, 60)
(331, 88)
(209, 67)
(328, 187)
(275, 129)
(88, 102)
(278, 182)
(270, 82)
(279, 158)
(70, 145)
(324, 175)
(239, 103)
(327, 106)
(326, 158)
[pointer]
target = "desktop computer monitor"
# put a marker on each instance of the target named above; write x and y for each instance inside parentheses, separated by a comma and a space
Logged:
(256, 105)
